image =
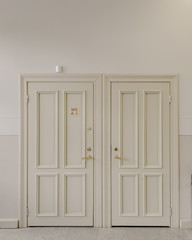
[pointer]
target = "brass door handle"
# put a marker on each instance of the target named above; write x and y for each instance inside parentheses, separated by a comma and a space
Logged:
(117, 157)
(88, 157)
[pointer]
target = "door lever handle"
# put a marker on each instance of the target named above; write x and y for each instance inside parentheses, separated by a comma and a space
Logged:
(117, 157)
(88, 157)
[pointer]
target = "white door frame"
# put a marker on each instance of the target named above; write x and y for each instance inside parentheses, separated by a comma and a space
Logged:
(96, 79)
(173, 81)
(102, 169)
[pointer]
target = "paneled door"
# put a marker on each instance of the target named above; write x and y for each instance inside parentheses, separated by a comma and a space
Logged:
(140, 154)
(60, 154)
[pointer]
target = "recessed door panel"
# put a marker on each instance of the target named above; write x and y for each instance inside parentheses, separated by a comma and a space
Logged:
(140, 154)
(152, 129)
(47, 194)
(74, 132)
(128, 195)
(129, 129)
(60, 168)
(153, 194)
(46, 129)
(74, 194)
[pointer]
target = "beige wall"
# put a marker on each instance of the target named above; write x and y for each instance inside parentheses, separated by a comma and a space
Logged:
(115, 36)
(91, 36)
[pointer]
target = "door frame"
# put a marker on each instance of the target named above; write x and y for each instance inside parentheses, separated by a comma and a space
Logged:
(96, 79)
(173, 81)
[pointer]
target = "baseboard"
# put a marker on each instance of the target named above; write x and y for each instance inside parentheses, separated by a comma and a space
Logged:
(186, 223)
(9, 223)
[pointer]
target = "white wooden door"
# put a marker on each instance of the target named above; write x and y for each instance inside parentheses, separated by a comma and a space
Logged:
(60, 157)
(140, 154)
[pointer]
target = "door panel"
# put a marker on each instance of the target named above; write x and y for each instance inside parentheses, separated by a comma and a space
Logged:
(60, 176)
(74, 194)
(153, 194)
(46, 141)
(152, 129)
(47, 194)
(129, 129)
(74, 129)
(128, 194)
(140, 154)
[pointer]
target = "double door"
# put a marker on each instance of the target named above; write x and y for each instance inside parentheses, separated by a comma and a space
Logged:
(61, 160)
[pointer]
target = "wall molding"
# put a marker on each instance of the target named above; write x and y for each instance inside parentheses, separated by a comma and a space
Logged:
(186, 223)
(9, 223)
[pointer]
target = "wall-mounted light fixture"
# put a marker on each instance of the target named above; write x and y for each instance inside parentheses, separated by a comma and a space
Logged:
(59, 69)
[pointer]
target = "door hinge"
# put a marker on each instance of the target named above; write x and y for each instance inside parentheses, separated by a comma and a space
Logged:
(170, 211)
(170, 98)
(27, 212)
(27, 98)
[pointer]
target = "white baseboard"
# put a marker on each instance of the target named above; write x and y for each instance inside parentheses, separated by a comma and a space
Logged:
(186, 223)
(9, 223)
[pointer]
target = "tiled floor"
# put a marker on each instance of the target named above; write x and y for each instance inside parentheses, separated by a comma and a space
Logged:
(62, 233)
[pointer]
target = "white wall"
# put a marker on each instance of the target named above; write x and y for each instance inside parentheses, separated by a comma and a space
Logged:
(92, 36)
